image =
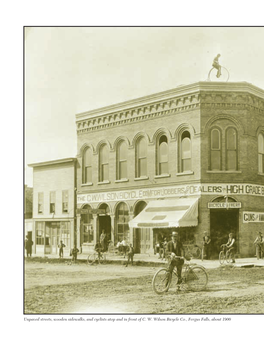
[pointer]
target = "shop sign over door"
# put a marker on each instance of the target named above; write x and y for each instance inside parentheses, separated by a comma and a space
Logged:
(224, 205)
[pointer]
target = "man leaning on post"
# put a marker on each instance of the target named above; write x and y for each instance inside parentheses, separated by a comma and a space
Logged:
(175, 250)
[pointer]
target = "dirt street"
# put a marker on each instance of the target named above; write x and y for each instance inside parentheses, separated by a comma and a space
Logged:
(79, 288)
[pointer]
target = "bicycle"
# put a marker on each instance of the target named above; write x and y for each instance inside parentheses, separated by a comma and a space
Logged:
(225, 254)
(194, 278)
(111, 248)
(96, 258)
(193, 251)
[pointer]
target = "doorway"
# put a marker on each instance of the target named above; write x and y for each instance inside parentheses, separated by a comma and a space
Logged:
(223, 222)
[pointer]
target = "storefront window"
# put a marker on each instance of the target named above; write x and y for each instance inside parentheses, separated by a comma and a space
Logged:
(65, 232)
(122, 218)
(87, 225)
(40, 233)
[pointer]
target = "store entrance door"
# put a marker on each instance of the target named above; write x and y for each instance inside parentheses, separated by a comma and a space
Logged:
(223, 222)
(105, 224)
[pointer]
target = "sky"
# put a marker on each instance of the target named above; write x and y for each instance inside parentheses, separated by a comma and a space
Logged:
(69, 70)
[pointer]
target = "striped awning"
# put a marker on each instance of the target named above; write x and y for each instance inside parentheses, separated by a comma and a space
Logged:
(178, 212)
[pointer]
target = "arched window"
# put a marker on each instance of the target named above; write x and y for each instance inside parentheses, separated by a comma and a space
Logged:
(103, 163)
(121, 161)
(162, 156)
(87, 231)
(122, 219)
(186, 154)
(231, 149)
(141, 157)
(87, 165)
(216, 152)
(261, 153)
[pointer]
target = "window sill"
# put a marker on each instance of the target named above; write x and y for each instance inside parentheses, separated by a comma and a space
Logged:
(121, 180)
(87, 184)
(103, 182)
(142, 178)
(224, 172)
(261, 174)
(185, 173)
(162, 176)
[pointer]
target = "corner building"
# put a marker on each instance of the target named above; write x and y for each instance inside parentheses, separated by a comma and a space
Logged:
(189, 159)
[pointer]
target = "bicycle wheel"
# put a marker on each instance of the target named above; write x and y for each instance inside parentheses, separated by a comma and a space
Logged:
(161, 281)
(221, 257)
(196, 278)
(92, 259)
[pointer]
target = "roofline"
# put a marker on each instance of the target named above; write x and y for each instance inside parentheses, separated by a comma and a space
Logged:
(179, 91)
(52, 162)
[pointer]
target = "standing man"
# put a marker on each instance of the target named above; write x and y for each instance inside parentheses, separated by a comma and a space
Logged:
(61, 246)
(175, 249)
(28, 246)
(206, 246)
(103, 241)
(217, 66)
(259, 245)
(130, 254)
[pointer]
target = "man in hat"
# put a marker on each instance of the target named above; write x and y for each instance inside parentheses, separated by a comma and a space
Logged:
(206, 246)
(175, 249)
(231, 246)
(259, 245)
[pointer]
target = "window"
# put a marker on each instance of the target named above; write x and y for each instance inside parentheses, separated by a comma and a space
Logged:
(162, 156)
(122, 161)
(141, 158)
(122, 217)
(231, 149)
(40, 233)
(215, 150)
(87, 166)
(65, 232)
(186, 155)
(65, 201)
(87, 225)
(103, 163)
(261, 153)
(40, 202)
(52, 202)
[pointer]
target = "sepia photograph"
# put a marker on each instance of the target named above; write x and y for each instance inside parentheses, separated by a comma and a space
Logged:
(143, 171)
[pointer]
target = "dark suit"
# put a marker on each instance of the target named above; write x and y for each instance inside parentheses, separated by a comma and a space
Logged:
(179, 251)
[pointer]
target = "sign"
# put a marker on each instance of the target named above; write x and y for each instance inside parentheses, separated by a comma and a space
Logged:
(90, 211)
(224, 205)
(172, 191)
(253, 217)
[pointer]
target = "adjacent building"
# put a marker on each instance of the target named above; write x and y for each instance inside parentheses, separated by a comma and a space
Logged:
(54, 205)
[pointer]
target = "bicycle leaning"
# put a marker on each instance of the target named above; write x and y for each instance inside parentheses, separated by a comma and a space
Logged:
(194, 278)
(225, 254)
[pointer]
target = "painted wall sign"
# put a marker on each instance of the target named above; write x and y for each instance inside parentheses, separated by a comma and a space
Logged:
(172, 191)
(253, 217)
(224, 205)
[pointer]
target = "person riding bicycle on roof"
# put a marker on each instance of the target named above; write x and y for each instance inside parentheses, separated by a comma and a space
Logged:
(231, 245)
(175, 248)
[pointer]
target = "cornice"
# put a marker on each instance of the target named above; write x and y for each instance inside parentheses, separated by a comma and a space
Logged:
(185, 98)
(52, 162)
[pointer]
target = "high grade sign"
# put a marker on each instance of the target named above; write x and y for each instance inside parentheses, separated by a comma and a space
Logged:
(172, 191)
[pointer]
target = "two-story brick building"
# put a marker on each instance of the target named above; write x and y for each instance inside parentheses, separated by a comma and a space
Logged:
(54, 205)
(191, 158)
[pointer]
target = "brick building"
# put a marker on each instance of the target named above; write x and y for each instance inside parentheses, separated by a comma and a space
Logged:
(54, 205)
(191, 158)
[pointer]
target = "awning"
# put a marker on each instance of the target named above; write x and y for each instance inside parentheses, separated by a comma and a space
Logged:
(178, 212)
